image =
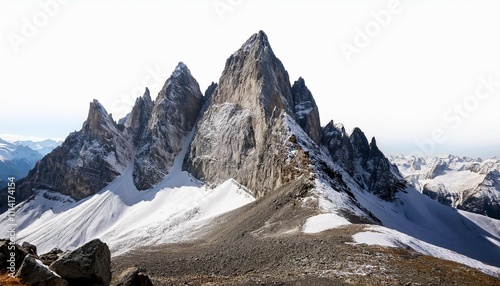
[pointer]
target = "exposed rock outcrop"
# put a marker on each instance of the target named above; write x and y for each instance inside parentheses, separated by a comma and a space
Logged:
(242, 133)
(485, 198)
(306, 111)
(138, 118)
(132, 277)
(34, 273)
(362, 160)
(89, 264)
(51, 256)
(85, 162)
(6, 250)
(173, 116)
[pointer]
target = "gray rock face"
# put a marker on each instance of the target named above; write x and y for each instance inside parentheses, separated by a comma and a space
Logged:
(242, 133)
(132, 277)
(33, 272)
(364, 162)
(173, 116)
(51, 256)
(338, 143)
(138, 119)
(88, 265)
(91, 158)
(306, 111)
(86, 161)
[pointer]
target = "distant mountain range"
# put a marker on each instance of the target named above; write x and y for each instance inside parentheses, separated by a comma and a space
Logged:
(17, 158)
(464, 183)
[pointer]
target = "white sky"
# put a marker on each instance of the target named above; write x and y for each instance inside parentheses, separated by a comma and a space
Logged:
(401, 87)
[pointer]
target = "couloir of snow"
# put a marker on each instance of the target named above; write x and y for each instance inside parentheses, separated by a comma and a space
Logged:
(176, 209)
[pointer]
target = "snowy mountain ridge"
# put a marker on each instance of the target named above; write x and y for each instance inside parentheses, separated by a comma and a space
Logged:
(461, 182)
(18, 157)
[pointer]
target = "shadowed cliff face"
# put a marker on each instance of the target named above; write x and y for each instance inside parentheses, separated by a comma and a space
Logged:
(173, 116)
(138, 118)
(364, 162)
(86, 161)
(306, 111)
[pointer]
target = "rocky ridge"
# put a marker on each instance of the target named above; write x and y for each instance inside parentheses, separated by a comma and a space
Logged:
(91, 158)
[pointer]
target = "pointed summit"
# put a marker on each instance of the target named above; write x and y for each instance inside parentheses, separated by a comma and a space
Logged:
(169, 121)
(99, 124)
(362, 160)
(86, 161)
(180, 69)
(138, 118)
(306, 110)
(255, 78)
(257, 41)
(242, 130)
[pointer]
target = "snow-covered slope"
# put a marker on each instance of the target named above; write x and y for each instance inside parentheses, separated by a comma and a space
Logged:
(460, 182)
(124, 217)
(437, 230)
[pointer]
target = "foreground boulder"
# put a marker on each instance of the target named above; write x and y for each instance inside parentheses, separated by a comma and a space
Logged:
(5, 255)
(132, 277)
(51, 256)
(34, 272)
(88, 265)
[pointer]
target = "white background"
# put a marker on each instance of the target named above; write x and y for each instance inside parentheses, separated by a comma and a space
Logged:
(399, 87)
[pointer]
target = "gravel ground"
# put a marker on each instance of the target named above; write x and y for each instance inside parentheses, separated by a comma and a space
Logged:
(260, 244)
(322, 259)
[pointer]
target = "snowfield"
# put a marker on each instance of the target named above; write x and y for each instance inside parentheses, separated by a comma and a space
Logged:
(177, 209)
(125, 218)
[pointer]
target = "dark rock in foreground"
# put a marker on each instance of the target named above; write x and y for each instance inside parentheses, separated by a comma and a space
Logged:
(33, 272)
(132, 277)
(87, 265)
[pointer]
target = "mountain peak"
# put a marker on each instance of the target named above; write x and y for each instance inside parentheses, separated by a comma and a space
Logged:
(98, 122)
(163, 126)
(258, 39)
(180, 69)
(306, 110)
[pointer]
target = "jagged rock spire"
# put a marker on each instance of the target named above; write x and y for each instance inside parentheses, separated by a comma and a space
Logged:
(254, 78)
(171, 118)
(138, 118)
(374, 171)
(306, 111)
